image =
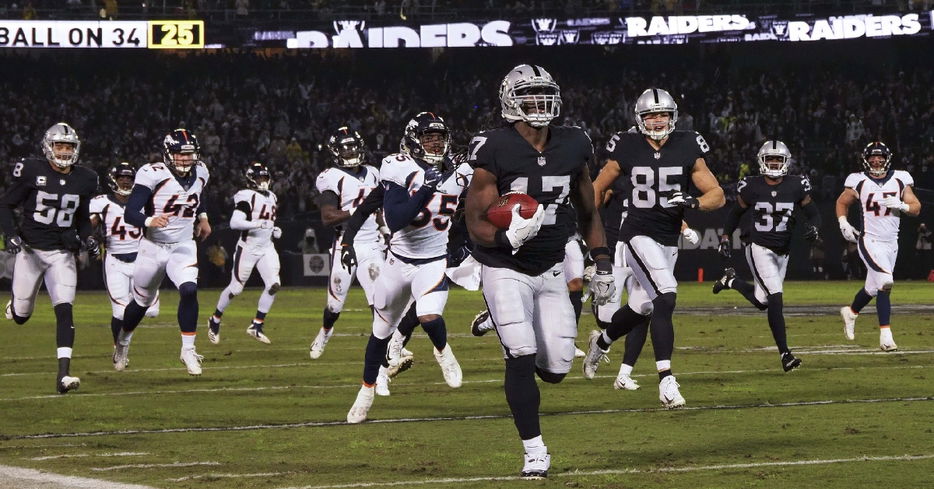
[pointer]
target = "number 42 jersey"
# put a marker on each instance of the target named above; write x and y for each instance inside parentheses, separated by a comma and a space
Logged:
(170, 196)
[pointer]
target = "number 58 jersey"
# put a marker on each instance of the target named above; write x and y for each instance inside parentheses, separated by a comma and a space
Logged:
(170, 197)
(122, 237)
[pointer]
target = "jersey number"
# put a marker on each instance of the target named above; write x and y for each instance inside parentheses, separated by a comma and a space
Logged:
(644, 178)
(445, 210)
(766, 213)
(119, 229)
(189, 206)
(875, 208)
(50, 209)
(549, 184)
(270, 214)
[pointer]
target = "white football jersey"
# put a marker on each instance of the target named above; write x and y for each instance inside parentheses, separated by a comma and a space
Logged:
(351, 191)
(262, 208)
(427, 235)
(170, 198)
(879, 222)
(120, 237)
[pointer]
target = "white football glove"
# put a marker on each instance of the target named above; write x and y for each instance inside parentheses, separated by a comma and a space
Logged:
(521, 230)
(276, 232)
(894, 203)
(690, 236)
(264, 224)
(589, 272)
(847, 230)
(602, 287)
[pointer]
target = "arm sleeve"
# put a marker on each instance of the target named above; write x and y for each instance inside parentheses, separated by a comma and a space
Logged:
(240, 219)
(133, 212)
(732, 219)
(812, 213)
(400, 209)
(372, 202)
(14, 195)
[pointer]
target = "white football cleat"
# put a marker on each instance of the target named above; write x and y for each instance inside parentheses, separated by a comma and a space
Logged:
(256, 331)
(192, 360)
(214, 331)
(382, 382)
(361, 406)
(594, 356)
(849, 322)
(886, 341)
(625, 382)
(8, 312)
(408, 359)
(481, 323)
(578, 353)
(668, 393)
(317, 346)
(121, 356)
(536, 466)
(68, 383)
(449, 366)
(394, 349)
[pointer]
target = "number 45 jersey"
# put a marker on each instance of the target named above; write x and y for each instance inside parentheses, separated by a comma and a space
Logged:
(49, 200)
(178, 198)
(773, 209)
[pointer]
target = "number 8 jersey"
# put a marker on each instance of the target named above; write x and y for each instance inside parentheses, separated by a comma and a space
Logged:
(170, 197)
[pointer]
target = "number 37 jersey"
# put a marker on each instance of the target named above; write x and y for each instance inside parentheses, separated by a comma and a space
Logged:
(121, 237)
(773, 209)
(169, 197)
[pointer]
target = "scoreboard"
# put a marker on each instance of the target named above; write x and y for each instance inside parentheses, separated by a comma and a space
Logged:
(151, 34)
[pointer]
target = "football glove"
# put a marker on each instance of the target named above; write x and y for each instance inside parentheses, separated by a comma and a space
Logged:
(725, 248)
(14, 244)
(266, 224)
(683, 199)
(602, 286)
(348, 256)
(432, 178)
(690, 236)
(457, 256)
(812, 234)
(521, 230)
(92, 246)
(276, 232)
(894, 203)
(847, 230)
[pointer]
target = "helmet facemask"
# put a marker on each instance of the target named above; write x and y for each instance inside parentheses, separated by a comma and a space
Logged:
(656, 101)
(774, 159)
(347, 148)
(258, 177)
(529, 93)
(877, 159)
(61, 145)
(121, 179)
(426, 138)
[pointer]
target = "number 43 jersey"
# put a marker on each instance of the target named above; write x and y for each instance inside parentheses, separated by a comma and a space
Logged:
(173, 198)
(49, 199)
(122, 237)
(773, 209)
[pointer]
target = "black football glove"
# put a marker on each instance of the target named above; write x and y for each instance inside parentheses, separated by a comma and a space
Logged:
(92, 247)
(432, 178)
(812, 234)
(457, 256)
(682, 199)
(726, 247)
(14, 244)
(348, 256)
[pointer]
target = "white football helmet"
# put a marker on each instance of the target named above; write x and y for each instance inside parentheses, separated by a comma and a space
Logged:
(529, 93)
(652, 101)
(774, 149)
(61, 133)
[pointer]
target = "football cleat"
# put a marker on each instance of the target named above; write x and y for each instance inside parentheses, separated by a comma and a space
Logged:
(408, 359)
(394, 349)
(578, 353)
(121, 356)
(481, 324)
(361, 406)
(594, 356)
(382, 382)
(668, 393)
(723, 282)
(790, 362)
(214, 330)
(624, 381)
(536, 466)
(849, 322)
(449, 366)
(8, 312)
(67, 383)
(317, 346)
(886, 341)
(192, 360)
(256, 331)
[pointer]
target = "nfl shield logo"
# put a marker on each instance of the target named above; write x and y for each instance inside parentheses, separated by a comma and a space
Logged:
(541, 161)
(774, 193)
(61, 182)
(658, 155)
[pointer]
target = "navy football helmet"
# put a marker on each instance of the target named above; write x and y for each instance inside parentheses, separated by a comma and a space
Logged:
(877, 148)
(347, 147)
(254, 173)
(421, 125)
(176, 147)
(123, 169)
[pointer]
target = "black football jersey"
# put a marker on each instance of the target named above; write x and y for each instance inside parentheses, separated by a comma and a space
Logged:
(52, 203)
(651, 175)
(772, 208)
(549, 177)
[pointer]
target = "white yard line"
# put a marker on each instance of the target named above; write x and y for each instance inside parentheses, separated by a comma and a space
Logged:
(229, 476)
(22, 478)
(80, 455)
(152, 466)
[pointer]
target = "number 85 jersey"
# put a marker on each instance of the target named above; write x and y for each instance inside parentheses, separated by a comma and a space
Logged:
(170, 197)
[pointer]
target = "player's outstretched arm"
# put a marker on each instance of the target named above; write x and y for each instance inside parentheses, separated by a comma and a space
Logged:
(480, 195)
(604, 182)
(712, 197)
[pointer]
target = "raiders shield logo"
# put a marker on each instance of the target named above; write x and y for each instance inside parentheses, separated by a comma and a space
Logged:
(774, 193)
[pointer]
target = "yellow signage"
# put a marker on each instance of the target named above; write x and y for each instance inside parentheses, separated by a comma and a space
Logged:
(176, 34)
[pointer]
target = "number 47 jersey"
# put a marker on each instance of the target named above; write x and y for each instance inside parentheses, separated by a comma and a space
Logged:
(178, 198)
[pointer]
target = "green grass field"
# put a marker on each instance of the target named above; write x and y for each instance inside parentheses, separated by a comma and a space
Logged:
(266, 416)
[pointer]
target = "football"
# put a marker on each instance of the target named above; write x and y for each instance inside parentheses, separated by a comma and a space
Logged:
(500, 212)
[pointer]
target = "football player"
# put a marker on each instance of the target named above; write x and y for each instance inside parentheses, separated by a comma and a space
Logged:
(883, 194)
(342, 189)
(166, 201)
(522, 272)
(417, 205)
(773, 197)
(121, 240)
(254, 216)
(659, 164)
(54, 194)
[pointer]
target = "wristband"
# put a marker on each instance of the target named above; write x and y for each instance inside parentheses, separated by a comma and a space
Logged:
(146, 223)
(203, 216)
(603, 250)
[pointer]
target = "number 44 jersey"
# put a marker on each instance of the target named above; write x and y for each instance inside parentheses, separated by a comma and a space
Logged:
(49, 200)
(773, 209)
(175, 197)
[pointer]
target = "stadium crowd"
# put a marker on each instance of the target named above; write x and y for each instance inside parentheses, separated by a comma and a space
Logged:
(280, 109)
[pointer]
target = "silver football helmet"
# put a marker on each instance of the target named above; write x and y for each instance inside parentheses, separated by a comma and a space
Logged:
(529, 93)
(652, 101)
(774, 149)
(61, 133)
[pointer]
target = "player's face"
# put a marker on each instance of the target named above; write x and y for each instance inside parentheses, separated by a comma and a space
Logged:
(534, 105)
(183, 162)
(774, 162)
(432, 142)
(124, 182)
(348, 151)
(63, 151)
(262, 182)
(656, 121)
(876, 162)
